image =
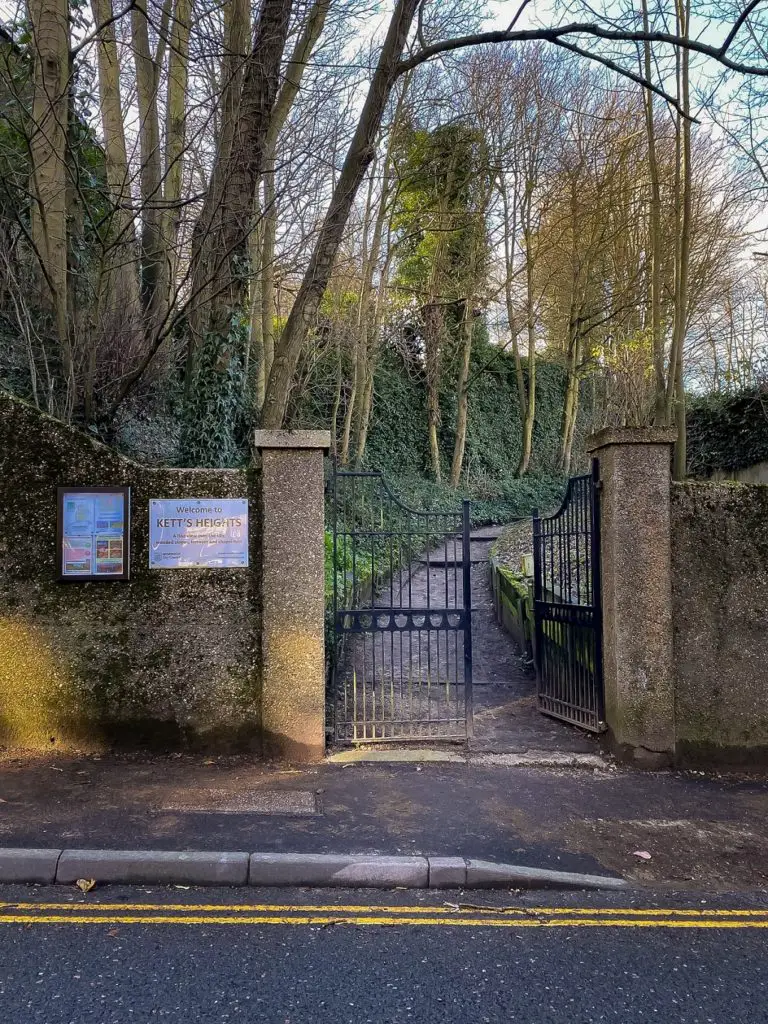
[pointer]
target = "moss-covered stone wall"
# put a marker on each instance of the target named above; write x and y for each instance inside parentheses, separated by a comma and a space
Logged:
(168, 658)
(720, 621)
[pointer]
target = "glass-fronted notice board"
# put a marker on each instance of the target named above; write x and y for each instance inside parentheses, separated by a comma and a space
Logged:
(93, 533)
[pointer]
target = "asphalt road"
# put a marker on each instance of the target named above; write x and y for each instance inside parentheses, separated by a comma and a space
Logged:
(123, 955)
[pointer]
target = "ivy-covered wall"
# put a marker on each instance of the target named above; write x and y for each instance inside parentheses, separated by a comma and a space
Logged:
(169, 657)
(727, 433)
(398, 442)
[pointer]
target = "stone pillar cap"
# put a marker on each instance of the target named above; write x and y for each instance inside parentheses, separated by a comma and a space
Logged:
(609, 436)
(293, 439)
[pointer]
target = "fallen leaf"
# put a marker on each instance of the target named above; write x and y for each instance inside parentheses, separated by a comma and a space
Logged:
(642, 854)
(113, 932)
(85, 884)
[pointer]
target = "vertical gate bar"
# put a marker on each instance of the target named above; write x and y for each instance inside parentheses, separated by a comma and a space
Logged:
(537, 630)
(579, 528)
(444, 540)
(410, 562)
(392, 713)
(390, 528)
(467, 587)
(568, 536)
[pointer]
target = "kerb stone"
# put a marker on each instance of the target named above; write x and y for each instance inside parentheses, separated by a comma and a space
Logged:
(447, 872)
(338, 870)
(153, 867)
(34, 865)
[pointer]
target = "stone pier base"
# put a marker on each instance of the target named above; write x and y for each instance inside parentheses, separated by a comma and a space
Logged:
(636, 570)
(293, 654)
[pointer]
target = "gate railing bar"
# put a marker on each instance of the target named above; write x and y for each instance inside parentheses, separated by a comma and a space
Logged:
(467, 587)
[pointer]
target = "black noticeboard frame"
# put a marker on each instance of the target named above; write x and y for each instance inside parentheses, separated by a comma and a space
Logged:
(89, 577)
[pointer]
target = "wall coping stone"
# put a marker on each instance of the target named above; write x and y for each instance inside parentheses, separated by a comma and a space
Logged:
(610, 436)
(293, 439)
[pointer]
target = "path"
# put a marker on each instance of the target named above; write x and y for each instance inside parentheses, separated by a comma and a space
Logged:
(507, 718)
(408, 684)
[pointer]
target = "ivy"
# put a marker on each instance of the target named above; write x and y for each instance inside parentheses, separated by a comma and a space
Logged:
(727, 432)
(214, 420)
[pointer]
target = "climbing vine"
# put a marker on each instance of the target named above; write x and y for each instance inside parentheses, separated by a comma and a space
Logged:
(727, 431)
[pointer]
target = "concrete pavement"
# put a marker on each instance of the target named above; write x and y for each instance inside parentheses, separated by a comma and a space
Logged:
(701, 832)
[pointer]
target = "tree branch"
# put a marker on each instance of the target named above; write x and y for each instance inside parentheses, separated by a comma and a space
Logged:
(554, 35)
(100, 28)
(626, 73)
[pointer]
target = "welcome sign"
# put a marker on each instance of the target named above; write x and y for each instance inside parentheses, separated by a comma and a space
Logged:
(198, 533)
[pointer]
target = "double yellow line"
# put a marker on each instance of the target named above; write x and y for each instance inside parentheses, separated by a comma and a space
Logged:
(461, 916)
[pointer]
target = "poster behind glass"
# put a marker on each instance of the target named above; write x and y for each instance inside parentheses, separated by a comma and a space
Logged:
(93, 533)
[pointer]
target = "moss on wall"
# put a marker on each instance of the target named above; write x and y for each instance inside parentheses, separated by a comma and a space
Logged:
(170, 656)
(720, 620)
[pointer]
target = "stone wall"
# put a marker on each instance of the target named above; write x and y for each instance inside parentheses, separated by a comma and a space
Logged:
(720, 621)
(170, 657)
(754, 474)
(513, 605)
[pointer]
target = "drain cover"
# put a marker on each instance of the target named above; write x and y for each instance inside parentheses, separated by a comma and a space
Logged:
(270, 801)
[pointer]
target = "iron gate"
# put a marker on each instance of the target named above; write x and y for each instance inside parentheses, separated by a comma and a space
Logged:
(566, 565)
(402, 652)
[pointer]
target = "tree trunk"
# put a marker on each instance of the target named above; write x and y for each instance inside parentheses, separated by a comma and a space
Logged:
(289, 90)
(574, 386)
(675, 385)
(48, 185)
(120, 287)
(460, 439)
(349, 415)
(654, 228)
(570, 413)
(570, 405)
(359, 156)
(530, 405)
(175, 125)
(205, 252)
(267, 269)
(509, 257)
(154, 279)
(366, 407)
(256, 335)
(433, 330)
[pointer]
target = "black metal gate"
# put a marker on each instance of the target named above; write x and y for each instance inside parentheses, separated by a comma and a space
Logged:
(566, 563)
(402, 652)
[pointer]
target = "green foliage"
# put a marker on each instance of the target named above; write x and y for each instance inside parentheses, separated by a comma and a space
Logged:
(442, 174)
(727, 431)
(398, 435)
(214, 419)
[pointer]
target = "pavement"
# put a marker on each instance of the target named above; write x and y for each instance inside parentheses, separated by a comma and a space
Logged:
(700, 832)
(119, 955)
